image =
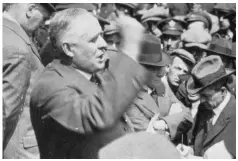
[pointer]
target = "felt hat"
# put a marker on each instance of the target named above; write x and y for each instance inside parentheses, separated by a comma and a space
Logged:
(207, 72)
(220, 46)
(151, 50)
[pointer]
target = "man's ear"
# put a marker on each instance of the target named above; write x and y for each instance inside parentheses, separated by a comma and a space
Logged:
(67, 49)
(167, 68)
(30, 9)
(224, 91)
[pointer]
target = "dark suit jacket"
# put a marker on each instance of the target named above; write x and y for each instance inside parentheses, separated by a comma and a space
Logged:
(21, 68)
(218, 132)
(73, 118)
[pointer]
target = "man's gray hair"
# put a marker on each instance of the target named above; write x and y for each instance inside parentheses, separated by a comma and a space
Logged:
(61, 22)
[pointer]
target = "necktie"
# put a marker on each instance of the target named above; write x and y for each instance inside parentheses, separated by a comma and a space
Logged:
(154, 95)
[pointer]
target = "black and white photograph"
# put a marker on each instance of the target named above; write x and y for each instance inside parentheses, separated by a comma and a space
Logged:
(119, 80)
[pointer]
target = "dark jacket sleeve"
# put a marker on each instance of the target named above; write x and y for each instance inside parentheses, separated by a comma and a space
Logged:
(85, 113)
(16, 79)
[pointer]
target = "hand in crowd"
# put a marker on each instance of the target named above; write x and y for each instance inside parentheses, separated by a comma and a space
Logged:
(185, 151)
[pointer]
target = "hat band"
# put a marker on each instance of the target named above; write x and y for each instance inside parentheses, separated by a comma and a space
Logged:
(150, 58)
(201, 82)
(220, 49)
(172, 29)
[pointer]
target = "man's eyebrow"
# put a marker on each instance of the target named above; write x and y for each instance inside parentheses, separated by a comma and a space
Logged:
(85, 37)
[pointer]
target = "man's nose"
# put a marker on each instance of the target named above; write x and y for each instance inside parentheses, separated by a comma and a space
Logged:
(169, 42)
(221, 18)
(101, 43)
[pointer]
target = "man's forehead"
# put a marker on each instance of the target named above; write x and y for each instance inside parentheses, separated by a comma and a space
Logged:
(88, 27)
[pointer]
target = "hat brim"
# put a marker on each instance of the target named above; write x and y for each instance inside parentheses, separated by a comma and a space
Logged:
(171, 32)
(218, 53)
(164, 61)
(155, 19)
(192, 89)
(202, 46)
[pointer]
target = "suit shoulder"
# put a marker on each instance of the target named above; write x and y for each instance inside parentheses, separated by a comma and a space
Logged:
(13, 43)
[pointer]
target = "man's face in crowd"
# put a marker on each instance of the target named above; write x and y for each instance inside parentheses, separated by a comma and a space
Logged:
(125, 10)
(177, 68)
(197, 52)
(113, 40)
(170, 42)
(195, 7)
(224, 22)
(88, 45)
(36, 14)
(211, 97)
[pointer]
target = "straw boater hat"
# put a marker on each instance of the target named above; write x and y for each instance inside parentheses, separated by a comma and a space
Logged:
(207, 72)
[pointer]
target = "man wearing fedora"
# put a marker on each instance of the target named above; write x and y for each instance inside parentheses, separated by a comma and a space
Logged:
(147, 103)
(225, 12)
(21, 68)
(223, 48)
(208, 79)
(171, 29)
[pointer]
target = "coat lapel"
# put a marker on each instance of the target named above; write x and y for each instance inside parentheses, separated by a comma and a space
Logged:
(74, 79)
(222, 121)
(147, 104)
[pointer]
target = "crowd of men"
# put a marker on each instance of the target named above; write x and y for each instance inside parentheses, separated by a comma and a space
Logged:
(119, 80)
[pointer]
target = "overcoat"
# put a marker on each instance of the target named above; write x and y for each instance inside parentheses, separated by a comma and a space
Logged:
(73, 117)
(21, 68)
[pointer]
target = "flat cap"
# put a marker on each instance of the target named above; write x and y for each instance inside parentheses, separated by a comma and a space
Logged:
(172, 26)
(183, 54)
(111, 28)
(200, 16)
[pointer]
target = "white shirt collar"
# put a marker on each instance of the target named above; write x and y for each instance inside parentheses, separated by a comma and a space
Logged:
(9, 17)
(217, 111)
(86, 75)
